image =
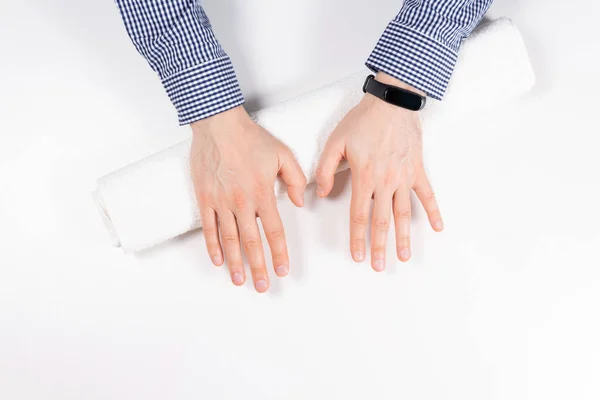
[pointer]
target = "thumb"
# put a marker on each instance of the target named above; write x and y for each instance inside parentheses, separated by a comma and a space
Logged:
(293, 177)
(328, 164)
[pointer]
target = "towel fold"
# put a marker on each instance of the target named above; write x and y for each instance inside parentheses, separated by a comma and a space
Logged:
(152, 200)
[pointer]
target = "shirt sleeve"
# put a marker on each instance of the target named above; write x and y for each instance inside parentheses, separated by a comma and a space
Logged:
(176, 38)
(420, 46)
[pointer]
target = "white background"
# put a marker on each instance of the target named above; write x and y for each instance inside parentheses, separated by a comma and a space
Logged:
(504, 304)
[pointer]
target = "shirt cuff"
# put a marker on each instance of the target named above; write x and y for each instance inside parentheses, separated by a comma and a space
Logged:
(204, 90)
(414, 58)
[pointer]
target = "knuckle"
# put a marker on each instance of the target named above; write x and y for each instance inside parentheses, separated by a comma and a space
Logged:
(261, 191)
(426, 194)
(403, 239)
(358, 244)
(236, 266)
(209, 231)
(378, 249)
(321, 173)
(275, 234)
(430, 195)
(213, 249)
(258, 269)
(390, 177)
(434, 214)
(382, 223)
(229, 238)
(364, 176)
(239, 199)
(279, 257)
(402, 214)
(252, 243)
(360, 218)
(203, 197)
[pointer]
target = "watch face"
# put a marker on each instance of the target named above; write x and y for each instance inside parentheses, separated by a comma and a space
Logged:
(404, 99)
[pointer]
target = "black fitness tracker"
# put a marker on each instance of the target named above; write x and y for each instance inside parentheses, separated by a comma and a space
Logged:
(394, 95)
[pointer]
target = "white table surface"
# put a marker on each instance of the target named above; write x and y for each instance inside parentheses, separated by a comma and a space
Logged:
(504, 304)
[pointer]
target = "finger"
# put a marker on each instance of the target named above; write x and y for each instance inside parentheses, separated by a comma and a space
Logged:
(293, 177)
(211, 234)
(359, 216)
(402, 216)
(275, 234)
(427, 197)
(380, 224)
(328, 164)
(254, 250)
(230, 239)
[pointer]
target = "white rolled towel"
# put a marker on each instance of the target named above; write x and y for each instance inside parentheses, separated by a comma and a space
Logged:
(152, 200)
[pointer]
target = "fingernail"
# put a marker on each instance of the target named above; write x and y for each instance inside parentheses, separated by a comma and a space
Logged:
(217, 260)
(261, 286)
(379, 265)
(439, 225)
(282, 270)
(238, 278)
(405, 254)
(320, 191)
(359, 256)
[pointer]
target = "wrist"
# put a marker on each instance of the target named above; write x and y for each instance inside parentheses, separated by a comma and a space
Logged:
(223, 121)
(390, 80)
(386, 110)
(391, 95)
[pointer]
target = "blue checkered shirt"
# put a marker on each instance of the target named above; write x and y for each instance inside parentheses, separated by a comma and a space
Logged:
(419, 47)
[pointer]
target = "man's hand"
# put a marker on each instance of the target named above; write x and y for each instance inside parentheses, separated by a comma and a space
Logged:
(383, 146)
(234, 164)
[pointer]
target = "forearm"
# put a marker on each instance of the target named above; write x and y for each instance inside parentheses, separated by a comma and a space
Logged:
(177, 40)
(420, 46)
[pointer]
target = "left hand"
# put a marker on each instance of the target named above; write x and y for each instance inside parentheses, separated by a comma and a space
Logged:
(383, 146)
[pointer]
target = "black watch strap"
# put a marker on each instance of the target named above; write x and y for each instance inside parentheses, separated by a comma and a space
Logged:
(394, 95)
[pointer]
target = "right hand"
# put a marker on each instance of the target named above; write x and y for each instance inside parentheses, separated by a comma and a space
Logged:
(234, 164)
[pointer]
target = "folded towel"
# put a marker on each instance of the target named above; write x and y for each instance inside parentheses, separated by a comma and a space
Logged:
(152, 200)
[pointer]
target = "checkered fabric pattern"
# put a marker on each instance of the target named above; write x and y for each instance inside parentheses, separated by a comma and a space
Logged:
(176, 38)
(419, 47)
